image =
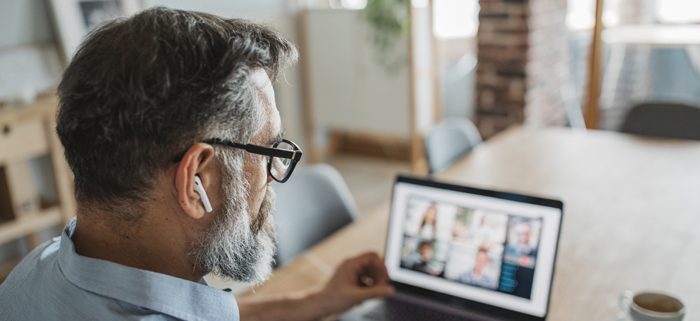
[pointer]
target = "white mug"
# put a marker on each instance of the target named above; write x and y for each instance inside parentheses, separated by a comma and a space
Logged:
(652, 306)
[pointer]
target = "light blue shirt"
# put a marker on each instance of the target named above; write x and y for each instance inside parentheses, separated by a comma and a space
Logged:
(53, 282)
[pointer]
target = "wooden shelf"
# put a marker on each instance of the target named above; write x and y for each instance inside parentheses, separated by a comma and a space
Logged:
(45, 106)
(29, 223)
(28, 132)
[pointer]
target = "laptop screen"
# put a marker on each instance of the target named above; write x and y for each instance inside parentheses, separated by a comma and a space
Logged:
(488, 247)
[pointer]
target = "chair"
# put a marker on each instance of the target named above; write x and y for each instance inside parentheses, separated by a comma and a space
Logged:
(313, 204)
(670, 120)
(448, 141)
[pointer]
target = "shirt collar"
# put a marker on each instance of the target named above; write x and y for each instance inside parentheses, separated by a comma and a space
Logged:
(155, 291)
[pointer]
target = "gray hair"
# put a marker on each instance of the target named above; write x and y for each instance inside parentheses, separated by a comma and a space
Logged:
(139, 91)
(240, 245)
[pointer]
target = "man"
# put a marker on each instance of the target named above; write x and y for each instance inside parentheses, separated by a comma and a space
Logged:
(522, 246)
(170, 127)
(524, 232)
(477, 275)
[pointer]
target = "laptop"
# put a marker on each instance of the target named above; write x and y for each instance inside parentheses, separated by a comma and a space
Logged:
(461, 253)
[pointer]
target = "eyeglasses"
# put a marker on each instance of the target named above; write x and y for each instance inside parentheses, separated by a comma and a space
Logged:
(283, 156)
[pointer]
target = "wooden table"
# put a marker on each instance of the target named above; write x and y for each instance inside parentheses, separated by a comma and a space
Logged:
(631, 216)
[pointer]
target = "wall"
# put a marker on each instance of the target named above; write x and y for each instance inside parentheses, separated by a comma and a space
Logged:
(548, 64)
(523, 62)
(29, 60)
(257, 9)
(349, 90)
(28, 21)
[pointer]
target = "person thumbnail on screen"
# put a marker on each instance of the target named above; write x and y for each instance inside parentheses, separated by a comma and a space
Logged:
(428, 220)
(420, 255)
(478, 275)
(428, 226)
(523, 242)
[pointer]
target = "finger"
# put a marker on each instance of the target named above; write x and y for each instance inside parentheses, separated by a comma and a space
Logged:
(367, 281)
(380, 269)
(365, 258)
(378, 291)
(376, 270)
(361, 262)
(358, 262)
(368, 269)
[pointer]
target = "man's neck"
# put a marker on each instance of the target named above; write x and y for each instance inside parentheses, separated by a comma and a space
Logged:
(144, 244)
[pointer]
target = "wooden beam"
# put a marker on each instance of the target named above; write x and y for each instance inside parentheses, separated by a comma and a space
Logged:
(592, 107)
(436, 72)
(309, 122)
(420, 68)
(415, 134)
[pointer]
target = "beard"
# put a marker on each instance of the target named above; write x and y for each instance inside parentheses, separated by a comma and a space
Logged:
(236, 245)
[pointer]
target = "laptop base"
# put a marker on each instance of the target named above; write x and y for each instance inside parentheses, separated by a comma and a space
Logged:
(403, 307)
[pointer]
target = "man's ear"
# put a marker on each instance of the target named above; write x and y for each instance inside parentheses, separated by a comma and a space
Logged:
(197, 161)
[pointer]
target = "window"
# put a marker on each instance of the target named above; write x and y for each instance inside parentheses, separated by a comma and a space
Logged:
(678, 11)
(581, 14)
(455, 18)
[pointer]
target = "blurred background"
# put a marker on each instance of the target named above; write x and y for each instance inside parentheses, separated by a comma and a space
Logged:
(374, 78)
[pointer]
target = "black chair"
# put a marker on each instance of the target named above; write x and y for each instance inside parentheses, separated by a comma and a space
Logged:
(663, 119)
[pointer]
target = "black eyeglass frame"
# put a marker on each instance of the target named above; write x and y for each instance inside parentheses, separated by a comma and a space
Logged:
(293, 155)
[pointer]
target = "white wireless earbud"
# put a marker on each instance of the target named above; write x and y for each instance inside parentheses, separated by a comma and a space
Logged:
(199, 188)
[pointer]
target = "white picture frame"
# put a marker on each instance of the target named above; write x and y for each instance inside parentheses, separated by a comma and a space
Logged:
(73, 19)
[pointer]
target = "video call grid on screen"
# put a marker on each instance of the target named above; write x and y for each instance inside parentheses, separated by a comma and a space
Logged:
(470, 246)
(499, 260)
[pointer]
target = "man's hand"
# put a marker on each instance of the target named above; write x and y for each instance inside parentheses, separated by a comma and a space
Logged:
(356, 279)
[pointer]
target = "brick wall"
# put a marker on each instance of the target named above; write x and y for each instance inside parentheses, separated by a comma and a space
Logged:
(523, 62)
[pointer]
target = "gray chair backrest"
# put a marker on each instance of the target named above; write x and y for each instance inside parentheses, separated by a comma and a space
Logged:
(311, 205)
(448, 141)
(671, 120)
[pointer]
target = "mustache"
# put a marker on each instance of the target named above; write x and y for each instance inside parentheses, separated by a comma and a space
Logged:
(264, 212)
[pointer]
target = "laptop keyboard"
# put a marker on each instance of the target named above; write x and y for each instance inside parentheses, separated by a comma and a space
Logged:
(402, 311)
